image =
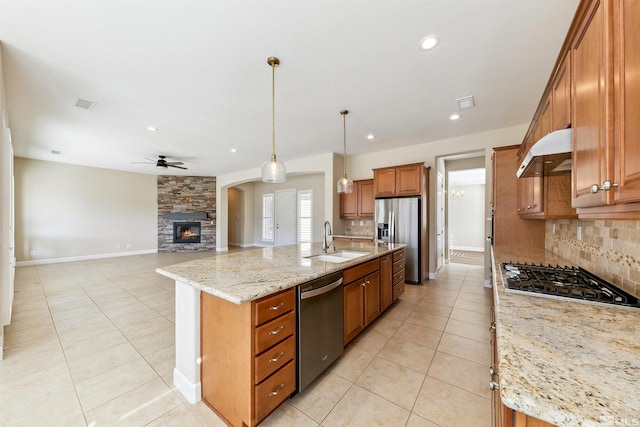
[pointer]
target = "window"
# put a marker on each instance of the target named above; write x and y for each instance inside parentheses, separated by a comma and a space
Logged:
(267, 217)
(305, 208)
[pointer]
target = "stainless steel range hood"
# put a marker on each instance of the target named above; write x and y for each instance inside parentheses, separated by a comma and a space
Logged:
(550, 155)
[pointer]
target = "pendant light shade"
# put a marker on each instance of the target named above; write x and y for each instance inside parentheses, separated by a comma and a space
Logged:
(273, 170)
(345, 184)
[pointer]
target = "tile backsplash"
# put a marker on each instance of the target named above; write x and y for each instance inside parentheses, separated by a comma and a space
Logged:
(609, 248)
(353, 227)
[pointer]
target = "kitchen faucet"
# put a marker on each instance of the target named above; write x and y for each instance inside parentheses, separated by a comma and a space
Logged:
(326, 245)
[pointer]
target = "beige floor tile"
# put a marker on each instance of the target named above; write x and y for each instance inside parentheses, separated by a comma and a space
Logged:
(135, 407)
(417, 421)
(409, 354)
(145, 327)
(95, 364)
(83, 310)
(470, 293)
(288, 415)
(162, 361)
(95, 319)
(34, 321)
(427, 320)
(104, 339)
(386, 325)
(398, 311)
(119, 310)
(18, 365)
(155, 341)
(392, 381)
(177, 417)
(351, 364)
(50, 408)
(450, 406)
(29, 348)
(360, 407)
(205, 415)
(110, 384)
(479, 307)
(468, 330)
(470, 316)
(470, 349)
(321, 396)
(370, 340)
(419, 334)
(463, 373)
(85, 331)
(20, 337)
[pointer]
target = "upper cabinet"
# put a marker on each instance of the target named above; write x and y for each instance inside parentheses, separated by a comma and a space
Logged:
(561, 95)
(406, 180)
(605, 111)
(359, 203)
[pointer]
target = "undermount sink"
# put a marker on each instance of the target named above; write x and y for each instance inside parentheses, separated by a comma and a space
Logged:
(338, 257)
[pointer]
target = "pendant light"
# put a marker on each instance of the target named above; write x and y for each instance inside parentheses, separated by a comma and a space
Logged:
(345, 185)
(272, 170)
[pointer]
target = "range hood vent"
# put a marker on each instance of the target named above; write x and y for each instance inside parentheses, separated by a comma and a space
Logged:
(550, 155)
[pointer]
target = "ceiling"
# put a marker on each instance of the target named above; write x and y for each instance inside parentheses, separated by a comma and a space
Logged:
(198, 72)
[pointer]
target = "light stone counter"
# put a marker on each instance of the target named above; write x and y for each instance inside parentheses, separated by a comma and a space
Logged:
(566, 362)
(255, 273)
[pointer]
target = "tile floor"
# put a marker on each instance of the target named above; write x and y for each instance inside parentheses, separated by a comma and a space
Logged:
(92, 344)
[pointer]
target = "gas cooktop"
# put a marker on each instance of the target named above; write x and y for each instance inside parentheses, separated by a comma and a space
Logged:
(564, 282)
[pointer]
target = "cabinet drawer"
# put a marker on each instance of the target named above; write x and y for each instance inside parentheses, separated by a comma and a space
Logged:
(361, 270)
(274, 358)
(398, 265)
(398, 255)
(398, 277)
(274, 390)
(273, 306)
(398, 290)
(275, 331)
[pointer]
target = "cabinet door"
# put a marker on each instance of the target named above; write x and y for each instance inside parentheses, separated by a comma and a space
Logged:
(591, 98)
(348, 204)
(546, 118)
(561, 96)
(530, 195)
(386, 281)
(409, 180)
(627, 107)
(353, 309)
(371, 297)
(384, 181)
(366, 201)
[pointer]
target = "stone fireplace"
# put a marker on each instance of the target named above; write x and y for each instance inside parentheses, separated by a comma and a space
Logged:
(186, 213)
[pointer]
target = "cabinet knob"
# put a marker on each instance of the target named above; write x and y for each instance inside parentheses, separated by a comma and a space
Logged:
(494, 385)
(606, 186)
(278, 390)
(493, 372)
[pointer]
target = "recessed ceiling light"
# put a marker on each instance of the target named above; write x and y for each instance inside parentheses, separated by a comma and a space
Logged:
(429, 42)
(454, 117)
(56, 152)
(84, 104)
(371, 136)
(152, 128)
(234, 150)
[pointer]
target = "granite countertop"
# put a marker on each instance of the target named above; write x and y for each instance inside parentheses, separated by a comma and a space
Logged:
(255, 273)
(566, 362)
(347, 236)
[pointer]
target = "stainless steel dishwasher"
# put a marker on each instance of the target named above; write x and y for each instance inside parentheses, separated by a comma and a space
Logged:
(320, 326)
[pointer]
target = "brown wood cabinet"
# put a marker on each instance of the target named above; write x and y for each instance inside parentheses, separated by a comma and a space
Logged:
(406, 180)
(360, 203)
(561, 95)
(248, 356)
(386, 281)
(361, 297)
(399, 261)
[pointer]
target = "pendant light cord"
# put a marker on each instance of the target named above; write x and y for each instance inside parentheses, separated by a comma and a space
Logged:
(344, 129)
(273, 112)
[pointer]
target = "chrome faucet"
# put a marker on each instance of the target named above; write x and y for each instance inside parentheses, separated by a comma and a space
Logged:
(325, 244)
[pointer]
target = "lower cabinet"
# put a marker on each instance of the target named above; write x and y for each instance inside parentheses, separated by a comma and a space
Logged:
(248, 356)
(361, 297)
(398, 270)
(386, 281)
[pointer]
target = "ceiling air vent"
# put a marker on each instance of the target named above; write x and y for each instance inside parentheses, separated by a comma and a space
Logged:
(465, 103)
(84, 104)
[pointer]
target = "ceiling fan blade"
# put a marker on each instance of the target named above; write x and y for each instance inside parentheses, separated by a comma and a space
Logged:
(146, 163)
(174, 166)
(174, 163)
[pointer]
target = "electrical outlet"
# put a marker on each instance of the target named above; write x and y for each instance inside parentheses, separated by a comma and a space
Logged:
(579, 232)
(128, 245)
(361, 223)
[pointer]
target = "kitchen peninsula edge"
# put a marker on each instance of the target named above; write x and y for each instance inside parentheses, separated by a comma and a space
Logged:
(242, 277)
(565, 362)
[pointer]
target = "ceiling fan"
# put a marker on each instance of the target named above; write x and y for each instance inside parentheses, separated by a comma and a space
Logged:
(162, 163)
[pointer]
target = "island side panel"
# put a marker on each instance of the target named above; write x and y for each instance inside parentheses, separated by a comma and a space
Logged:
(227, 359)
(186, 374)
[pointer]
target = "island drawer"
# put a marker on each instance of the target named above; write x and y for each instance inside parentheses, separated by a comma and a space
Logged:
(398, 277)
(398, 290)
(361, 270)
(275, 331)
(274, 305)
(274, 390)
(274, 358)
(398, 265)
(398, 255)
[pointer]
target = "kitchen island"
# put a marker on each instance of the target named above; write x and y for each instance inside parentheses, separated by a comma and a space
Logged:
(233, 289)
(565, 362)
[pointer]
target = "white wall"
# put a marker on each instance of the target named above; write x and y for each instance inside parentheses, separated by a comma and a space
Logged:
(466, 217)
(66, 212)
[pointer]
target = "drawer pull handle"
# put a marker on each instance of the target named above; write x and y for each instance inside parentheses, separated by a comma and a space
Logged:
(276, 392)
(494, 385)
(493, 372)
(278, 357)
(277, 307)
(277, 330)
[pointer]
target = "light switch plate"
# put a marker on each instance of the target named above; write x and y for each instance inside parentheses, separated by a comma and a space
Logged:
(579, 232)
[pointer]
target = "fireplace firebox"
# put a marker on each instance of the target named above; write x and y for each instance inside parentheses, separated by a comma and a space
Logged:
(186, 232)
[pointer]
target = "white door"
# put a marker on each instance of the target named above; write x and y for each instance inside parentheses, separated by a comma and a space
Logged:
(440, 220)
(285, 218)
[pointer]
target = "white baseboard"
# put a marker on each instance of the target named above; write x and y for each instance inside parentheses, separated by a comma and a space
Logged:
(83, 257)
(191, 392)
(467, 248)
(242, 245)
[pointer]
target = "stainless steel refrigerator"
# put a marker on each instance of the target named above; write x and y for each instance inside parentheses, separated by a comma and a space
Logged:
(398, 221)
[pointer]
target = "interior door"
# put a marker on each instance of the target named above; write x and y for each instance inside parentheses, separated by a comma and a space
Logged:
(440, 221)
(285, 217)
